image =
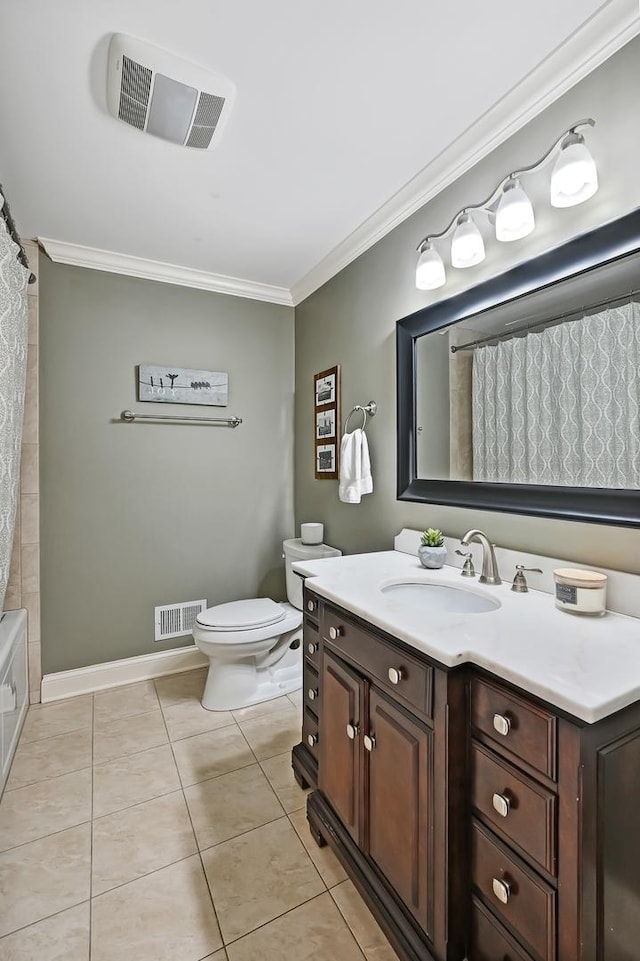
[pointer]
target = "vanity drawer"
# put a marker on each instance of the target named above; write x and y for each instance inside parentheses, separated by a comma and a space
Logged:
(395, 671)
(489, 940)
(517, 727)
(311, 690)
(310, 732)
(515, 805)
(312, 643)
(515, 892)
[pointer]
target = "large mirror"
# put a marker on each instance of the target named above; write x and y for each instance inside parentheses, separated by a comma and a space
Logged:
(523, 393)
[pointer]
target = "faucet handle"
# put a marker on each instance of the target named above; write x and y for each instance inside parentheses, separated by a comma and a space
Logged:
(520, 585)
(468, 570)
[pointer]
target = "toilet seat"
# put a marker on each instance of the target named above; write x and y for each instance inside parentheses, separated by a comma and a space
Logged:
(242, 615)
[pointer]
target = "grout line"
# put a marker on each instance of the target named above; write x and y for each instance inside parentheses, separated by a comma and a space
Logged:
(47, 917)
(43, 837)
(346, 920)
(277, 918)
(147, 874)
(49, 737)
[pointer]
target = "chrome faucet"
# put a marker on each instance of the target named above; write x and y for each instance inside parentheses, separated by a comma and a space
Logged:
(490, 574)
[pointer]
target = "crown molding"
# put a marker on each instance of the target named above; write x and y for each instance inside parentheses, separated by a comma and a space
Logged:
(606, 32)
(108, 260)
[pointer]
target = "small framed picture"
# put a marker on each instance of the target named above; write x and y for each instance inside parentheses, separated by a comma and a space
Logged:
(326, 424)
(326, 388)
(326, 419)
(326, 459)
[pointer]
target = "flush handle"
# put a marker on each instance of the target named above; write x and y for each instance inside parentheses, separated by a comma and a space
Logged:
(501, 804)
(335, 632)
(352, 731)
(395, 674)
(501, 724)
(369, 741)
(312, 740)
(501, 890)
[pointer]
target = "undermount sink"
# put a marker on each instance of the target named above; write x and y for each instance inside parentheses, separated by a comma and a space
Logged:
(427, 596)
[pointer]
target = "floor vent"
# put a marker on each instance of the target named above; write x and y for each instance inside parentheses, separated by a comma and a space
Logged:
(176, 620)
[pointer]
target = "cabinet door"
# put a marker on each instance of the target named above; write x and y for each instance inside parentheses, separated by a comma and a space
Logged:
(400, 826)
(340, 742)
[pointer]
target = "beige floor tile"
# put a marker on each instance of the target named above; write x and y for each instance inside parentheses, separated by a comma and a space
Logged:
(130, 780)
(280, 775)
(181, 687)
(64, 937)
(60, 717)
(229, 805)
(51, 757)
(273, 734)
(313, 932)
(166, 916)
(44, 877)
(296, 699)
(189, 718)
(324, 859)
(363, 925)
(47, 807)
(208, 755)
(125, 701)
(258, 876)
(128, 735)
(139, 840)
(278, 705)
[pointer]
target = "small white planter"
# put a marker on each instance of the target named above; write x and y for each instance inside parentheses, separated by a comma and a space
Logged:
(432, 557)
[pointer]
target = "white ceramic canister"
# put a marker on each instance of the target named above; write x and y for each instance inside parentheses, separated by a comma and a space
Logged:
(312, 533)
(580, 592)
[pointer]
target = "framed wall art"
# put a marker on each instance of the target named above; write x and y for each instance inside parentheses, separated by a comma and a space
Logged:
(182, 385)
(326, 423)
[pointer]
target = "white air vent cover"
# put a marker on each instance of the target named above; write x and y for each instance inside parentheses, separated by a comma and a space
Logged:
(175, 620)
(156, 92)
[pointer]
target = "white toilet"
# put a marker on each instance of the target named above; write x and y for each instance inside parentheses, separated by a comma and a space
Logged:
(255, 646)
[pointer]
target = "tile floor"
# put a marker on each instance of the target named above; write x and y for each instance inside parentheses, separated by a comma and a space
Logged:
(136, 825)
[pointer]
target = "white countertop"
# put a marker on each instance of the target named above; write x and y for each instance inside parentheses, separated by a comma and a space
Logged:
(586, 666)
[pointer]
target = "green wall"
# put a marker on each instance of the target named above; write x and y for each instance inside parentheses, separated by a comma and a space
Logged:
(143, 514)
(351, 321)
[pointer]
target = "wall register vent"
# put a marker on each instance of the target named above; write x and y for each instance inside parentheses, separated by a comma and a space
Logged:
(157, 93)
(176, 620)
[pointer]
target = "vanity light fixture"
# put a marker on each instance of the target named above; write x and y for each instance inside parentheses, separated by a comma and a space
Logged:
(574, 179)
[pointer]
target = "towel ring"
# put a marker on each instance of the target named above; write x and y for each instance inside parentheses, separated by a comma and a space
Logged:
(365, 409)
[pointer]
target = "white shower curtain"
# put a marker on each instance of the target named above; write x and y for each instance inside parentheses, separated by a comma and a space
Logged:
(13, 361)
(561, 406)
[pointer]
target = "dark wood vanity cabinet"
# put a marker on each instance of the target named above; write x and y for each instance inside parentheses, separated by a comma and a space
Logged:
(477, 821)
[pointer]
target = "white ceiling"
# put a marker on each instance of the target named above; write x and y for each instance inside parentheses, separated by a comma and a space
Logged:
(340, 104)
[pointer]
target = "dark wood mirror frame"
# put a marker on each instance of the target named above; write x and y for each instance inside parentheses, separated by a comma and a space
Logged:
(595, 505)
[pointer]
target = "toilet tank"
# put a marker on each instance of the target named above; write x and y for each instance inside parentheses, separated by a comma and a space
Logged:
(295, 550)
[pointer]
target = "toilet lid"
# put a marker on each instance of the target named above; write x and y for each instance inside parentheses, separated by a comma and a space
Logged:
(242, 615)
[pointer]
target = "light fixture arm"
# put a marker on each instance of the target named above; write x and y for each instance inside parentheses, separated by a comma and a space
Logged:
(486, 205)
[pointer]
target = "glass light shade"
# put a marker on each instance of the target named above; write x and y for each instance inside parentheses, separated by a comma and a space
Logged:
(467, 245)
(575, 176)
(514, 217)
(430, 272)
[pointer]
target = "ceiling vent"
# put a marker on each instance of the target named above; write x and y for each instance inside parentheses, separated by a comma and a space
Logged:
(163, 95)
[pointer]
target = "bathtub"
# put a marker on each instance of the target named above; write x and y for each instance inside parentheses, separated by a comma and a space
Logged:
(13, 685)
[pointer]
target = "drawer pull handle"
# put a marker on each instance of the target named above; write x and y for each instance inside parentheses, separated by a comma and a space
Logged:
(501, 890)
(501, 724)
(311, 606)
(369, 741)
(335, 632)
(395, 674)
(312, 648)
(312, 693)
(352, 731)
(501, 804)
(312, 740)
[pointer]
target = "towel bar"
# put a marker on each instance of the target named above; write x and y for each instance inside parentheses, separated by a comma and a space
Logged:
(129, 416)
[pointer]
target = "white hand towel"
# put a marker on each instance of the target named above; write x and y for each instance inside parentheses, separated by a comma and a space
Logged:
(355, 467)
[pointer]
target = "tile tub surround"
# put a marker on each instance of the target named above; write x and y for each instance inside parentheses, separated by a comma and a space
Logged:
(23, 589)
(196, 847)
(586, 666)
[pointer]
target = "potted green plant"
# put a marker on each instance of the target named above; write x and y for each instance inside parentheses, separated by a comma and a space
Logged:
(432, 552)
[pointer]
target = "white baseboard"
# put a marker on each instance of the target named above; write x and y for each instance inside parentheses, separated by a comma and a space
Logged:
(100, 677)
